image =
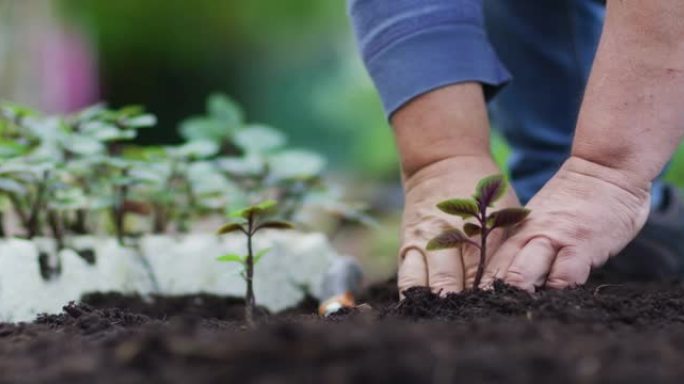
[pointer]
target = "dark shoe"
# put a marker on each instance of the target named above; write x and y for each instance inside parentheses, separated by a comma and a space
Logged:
(657, 253)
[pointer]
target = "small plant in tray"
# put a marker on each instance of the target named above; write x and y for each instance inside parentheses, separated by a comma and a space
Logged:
(249, 221)
(488, 191)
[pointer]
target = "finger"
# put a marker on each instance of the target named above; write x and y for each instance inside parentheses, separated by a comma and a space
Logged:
(569, 269)
(412, 270)
(501, 260)
(445, 271)
(531, 265)
(471, 260)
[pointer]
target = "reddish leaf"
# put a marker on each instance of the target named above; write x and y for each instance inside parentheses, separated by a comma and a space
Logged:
(230, 227)
(460, 207)
(490, 189)
(471, 229)
(450, 238)
(276, 224)
(507, 217)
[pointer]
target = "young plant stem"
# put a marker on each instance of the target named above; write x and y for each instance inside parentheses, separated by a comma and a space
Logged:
(184, 216)
(34, 218)
(249, 274)
(483, 247)
(159, 213)
(80, 226)
(119, 209)
(3, 233)
(20, 210)
(55, 224)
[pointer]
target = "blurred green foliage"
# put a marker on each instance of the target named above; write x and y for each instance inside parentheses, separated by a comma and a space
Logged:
(291, 63)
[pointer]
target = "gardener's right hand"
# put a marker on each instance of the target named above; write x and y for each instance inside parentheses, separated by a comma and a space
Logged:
(453, 269)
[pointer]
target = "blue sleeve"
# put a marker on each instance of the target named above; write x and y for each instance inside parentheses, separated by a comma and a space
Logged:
(411, 47)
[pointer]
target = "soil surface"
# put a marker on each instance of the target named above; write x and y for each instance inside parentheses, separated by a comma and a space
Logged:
(620, 333)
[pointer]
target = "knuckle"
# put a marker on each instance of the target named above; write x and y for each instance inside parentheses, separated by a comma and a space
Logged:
(405, 282)
(443, 279)
(566, 277)
(516, 277)
(558, 283)
(570, 269)
(580, 232)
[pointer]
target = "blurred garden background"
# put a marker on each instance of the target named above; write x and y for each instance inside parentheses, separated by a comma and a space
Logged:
(291, 64)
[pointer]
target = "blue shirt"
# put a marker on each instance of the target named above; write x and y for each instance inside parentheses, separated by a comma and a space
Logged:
(411, 47)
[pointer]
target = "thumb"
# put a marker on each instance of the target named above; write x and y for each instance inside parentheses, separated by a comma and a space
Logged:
(413, 270)
(531, 265)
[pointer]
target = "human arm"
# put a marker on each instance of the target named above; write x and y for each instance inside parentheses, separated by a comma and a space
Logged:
(630, 123)
(434, 69)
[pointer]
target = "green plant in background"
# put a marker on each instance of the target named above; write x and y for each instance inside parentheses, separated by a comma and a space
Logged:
(52, 168)
(65, 172)
(249, 221)
(182, 183)
(257, 163)
(488, 191)
(78, 174)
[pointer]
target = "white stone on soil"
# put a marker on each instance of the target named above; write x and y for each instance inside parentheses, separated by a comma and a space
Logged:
(180, 265)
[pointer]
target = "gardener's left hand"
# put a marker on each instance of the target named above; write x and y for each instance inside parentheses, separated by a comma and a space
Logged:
(585, 214)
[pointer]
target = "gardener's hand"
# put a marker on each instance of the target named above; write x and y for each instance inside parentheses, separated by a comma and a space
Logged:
(446, 270)
(585, 214)
(443, 142)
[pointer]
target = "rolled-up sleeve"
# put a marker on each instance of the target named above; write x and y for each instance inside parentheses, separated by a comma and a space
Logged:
(411, 47)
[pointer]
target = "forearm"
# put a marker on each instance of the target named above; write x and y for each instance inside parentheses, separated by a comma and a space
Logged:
(632, 117)
(433, 67)
(445, 123)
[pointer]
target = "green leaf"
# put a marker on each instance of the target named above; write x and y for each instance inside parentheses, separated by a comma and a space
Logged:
(507, 217)
(90, 112)
(12, 186)
(460, 207)
(450, 238)
(260, 254)
(105, 132)
(266, 205)
(131, 110)
(250, 165)
(296, 164)
(257, 209)
(10, 148)
(204, 128)
(490, 189)
(276, 224)
(198, 149)
(231, 258)
(259, 139)
(14, 111)
(228, 228)
(471, 229)
(83, 145)
(149, 175)
(223, 108)
(142, 121)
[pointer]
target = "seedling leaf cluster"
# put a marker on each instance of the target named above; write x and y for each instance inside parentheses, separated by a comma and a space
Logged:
(488, 191)
(249, 221)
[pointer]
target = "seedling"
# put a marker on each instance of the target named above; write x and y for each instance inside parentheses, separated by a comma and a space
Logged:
(488, 191)
(250, 221)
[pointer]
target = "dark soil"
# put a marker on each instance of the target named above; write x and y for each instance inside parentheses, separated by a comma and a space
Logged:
(630, 333)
